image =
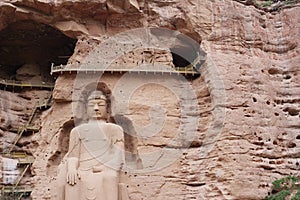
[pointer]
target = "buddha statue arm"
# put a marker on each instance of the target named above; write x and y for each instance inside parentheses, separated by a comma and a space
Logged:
(73, 158)
(117, 141)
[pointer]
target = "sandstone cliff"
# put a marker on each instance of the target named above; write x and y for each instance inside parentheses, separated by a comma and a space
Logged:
(247, 94)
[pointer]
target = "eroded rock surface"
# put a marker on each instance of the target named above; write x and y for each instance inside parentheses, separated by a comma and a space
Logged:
(248, 94)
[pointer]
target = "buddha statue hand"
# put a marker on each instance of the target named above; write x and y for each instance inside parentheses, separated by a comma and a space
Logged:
(72, 173)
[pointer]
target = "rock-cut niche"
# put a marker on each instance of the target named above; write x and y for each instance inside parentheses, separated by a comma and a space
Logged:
(62, 137)
(28, 48)
(62, 144)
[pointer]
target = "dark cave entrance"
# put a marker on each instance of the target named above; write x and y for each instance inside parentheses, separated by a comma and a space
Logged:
(186, 58)
(179, 61)
(28, 48)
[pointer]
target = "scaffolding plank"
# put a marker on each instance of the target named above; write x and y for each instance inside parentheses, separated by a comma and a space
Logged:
(12, 189)
(20, 84)
(159, 70)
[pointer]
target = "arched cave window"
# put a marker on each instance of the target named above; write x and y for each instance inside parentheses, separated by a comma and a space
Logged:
(182, 57)
(28, 48)
(187, 58)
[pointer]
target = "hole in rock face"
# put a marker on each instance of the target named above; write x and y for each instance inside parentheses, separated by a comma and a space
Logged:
(179, 61)
(28, 48)
(287, 76)
(291, 111)
(273, 71)
(184, 57)
(291, 145)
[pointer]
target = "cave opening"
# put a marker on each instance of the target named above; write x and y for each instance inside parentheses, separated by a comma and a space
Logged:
(186, 58)
(28, 48)
(180, 61)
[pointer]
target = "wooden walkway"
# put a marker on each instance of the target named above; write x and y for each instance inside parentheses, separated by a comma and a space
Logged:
(22, 157)
(19, 84)
(24, 161)
(56, 70)
(12, 192)
(15, 191)
(27, 126)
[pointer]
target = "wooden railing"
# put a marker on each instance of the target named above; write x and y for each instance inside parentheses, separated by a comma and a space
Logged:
(12, 192)
(156, 69)
(46, 104)
(15, 191)
(21, 84)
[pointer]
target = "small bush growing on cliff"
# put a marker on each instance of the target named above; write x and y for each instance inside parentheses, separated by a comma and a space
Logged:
(291, 1)
(265, 4)
(285, 187)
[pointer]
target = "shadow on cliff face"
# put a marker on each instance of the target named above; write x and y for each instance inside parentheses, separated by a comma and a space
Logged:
(62, 147)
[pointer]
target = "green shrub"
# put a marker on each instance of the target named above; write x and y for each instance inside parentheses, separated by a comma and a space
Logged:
(290, 1)
(266, 3)
(279, 196)
(296, 196)
(284, 187)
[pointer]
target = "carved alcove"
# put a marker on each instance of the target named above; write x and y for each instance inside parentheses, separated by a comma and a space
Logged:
(62, 146)
(168, 91)
(28, 48)
(130, 139)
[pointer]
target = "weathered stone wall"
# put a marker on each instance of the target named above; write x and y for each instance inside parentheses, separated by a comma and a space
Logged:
(251, 74)
(53, 131)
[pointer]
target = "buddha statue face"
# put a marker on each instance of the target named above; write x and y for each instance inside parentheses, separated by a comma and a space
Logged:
(97, 106)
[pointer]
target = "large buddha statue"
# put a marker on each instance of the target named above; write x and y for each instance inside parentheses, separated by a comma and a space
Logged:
(95, 154)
